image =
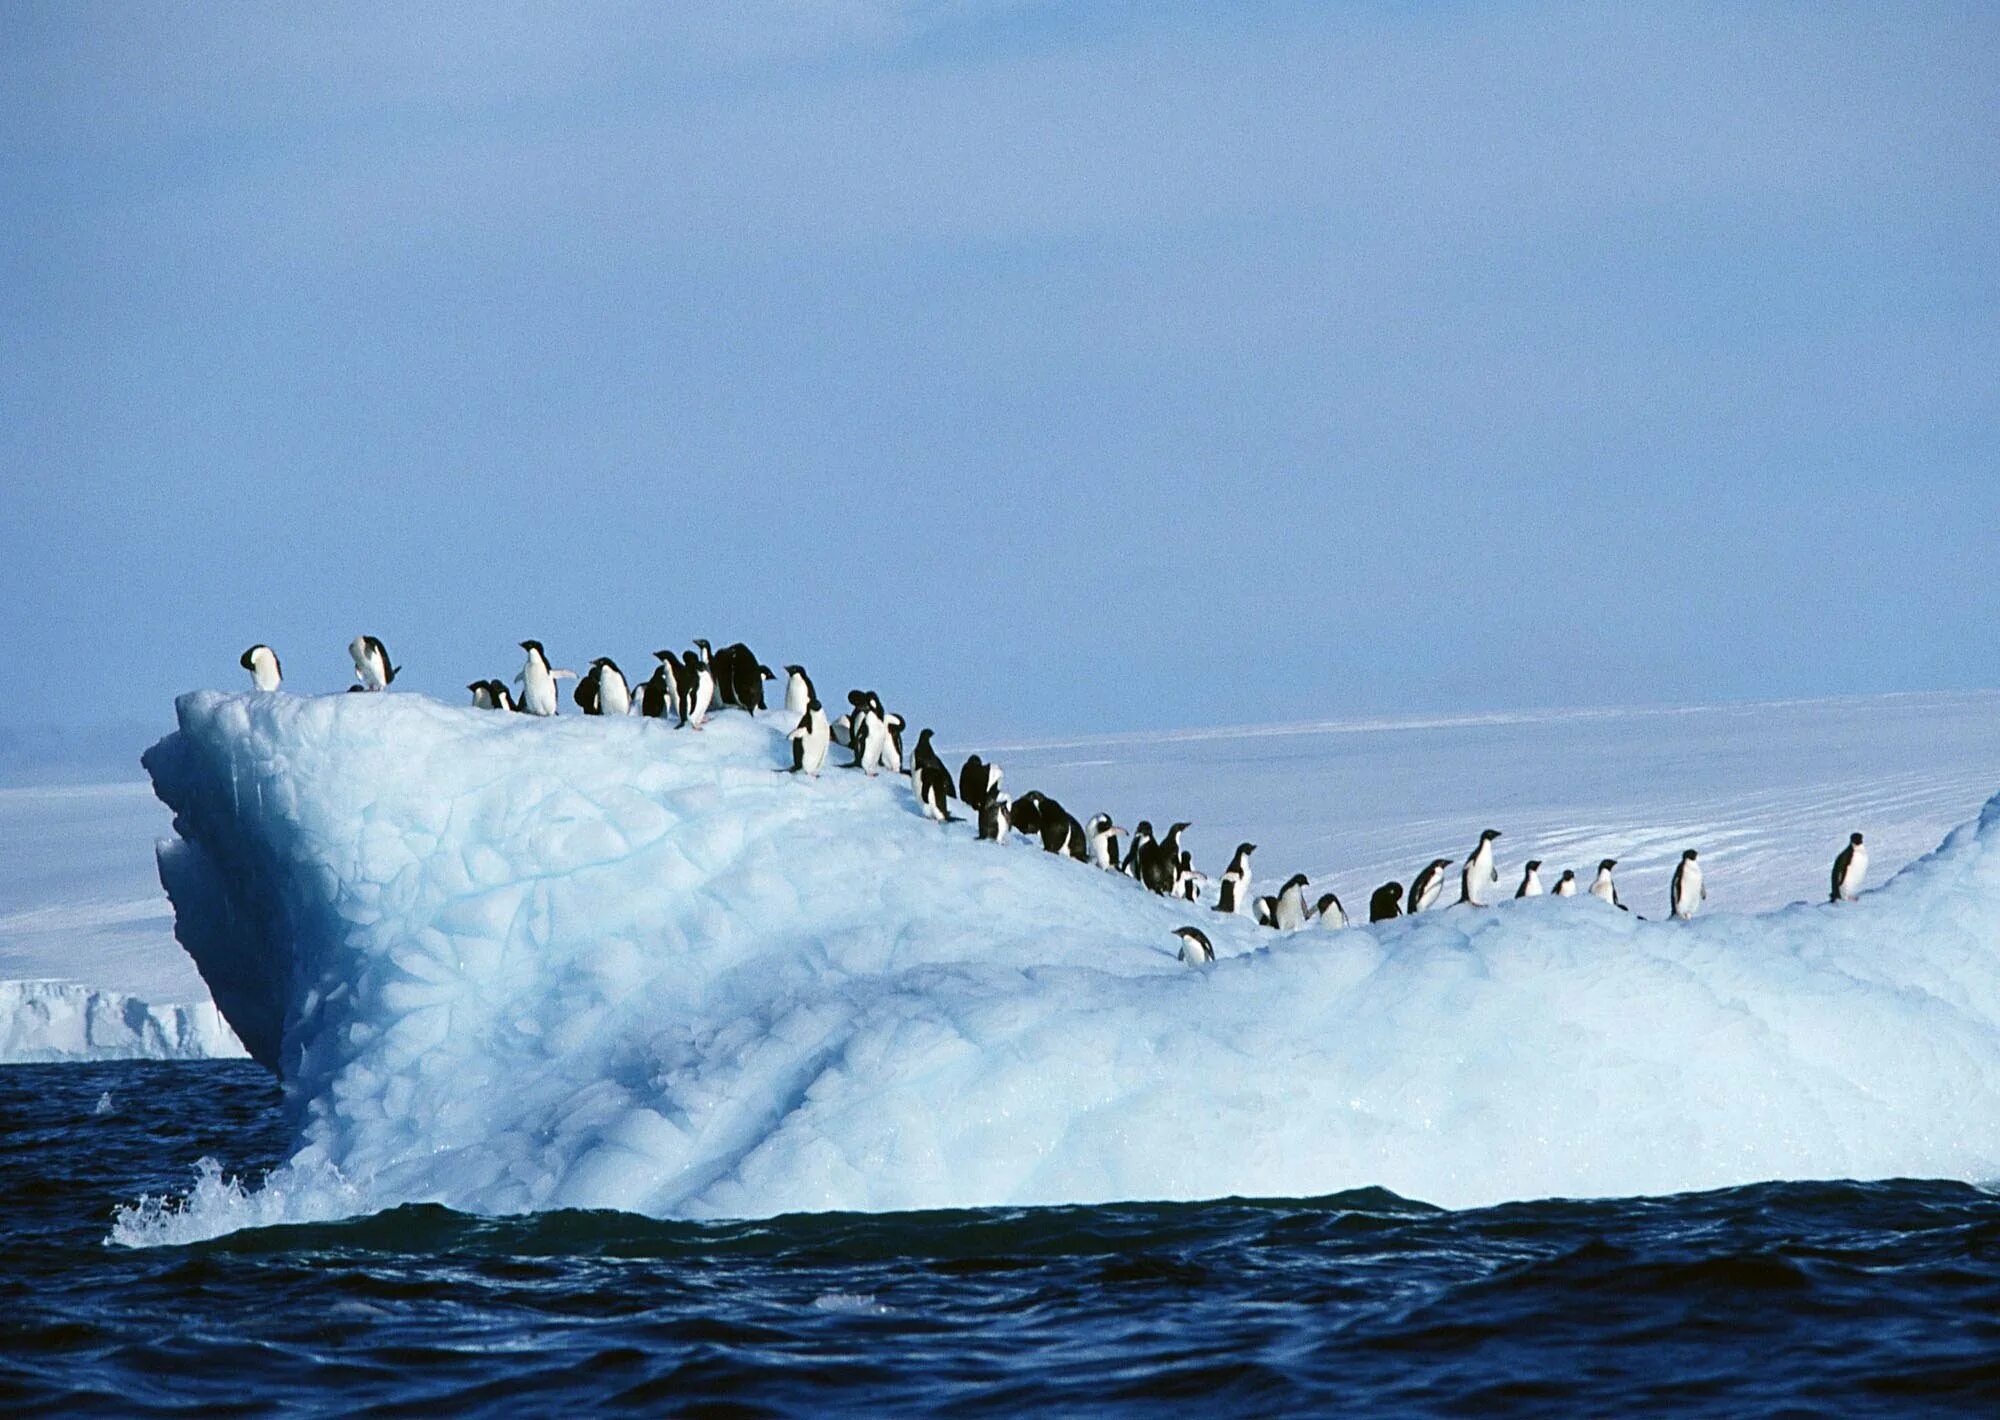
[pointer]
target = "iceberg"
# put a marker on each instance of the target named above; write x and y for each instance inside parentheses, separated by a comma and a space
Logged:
(505, 964)
(47, 1021)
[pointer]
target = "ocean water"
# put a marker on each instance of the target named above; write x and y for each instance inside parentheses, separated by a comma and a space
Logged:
(1878, 1298)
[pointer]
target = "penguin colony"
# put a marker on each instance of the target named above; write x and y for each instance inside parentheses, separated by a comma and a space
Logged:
(688, 685)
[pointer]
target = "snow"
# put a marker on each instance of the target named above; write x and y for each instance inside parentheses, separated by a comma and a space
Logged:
(63, 1021)
(508, 964)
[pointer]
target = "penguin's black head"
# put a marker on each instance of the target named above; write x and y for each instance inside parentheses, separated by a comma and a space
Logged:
(1296, 880)
(1440, 862)
(1534, 865)
(1179, 828)
(476, 685)
(1568, 873)
(703, 645)
(924, 736)
(1244, 850)
(795, 670)
(245, 660)
(534, 646)
(1145, 827)
(1689, 856)
(1855, 839)
(766, 673)
(1607, 864)
(1489, 835)
(1395, 890)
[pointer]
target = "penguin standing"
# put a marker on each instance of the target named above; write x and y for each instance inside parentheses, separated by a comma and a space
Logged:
(868, 732)
(658, 690)
(1531, 879)
(1288, 913)
(746, 676)
(1385, 902)
(1025, 814)
(1195, 947)
(810, 740)
(1848, 869)
(977, 779)
(1160, 867)
(1566, 884)
(1234, 889)
(1603, 888)
(1102, 834)
(262, 663)
(1687, 892)
(538, 681)
(994, 820)
(926, 758)
(371, 663)
(602, 690)
(1479, 871)
(1427, 887)
(1329, 913)
(799, 691)
(701, 691)
(933, 788)
(1135, 854)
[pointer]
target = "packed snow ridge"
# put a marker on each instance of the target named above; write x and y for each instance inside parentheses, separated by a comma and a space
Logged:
(506, 963)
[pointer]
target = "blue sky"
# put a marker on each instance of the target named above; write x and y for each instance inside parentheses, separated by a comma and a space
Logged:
(1052, 368)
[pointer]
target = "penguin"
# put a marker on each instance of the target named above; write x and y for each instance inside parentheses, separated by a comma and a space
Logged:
(658, 690)
(723, 666)
(1195, 947)
(867, 732)
(1329, 913)
(810, 740)
(892, 742)
(371, 663)
(842, 731)
(602, 690)
(799, 691)
(1427, 887)
(1479, 871)
(1687, 892)
(1531, 879)
(1385, 902)
(1027, 813)
(1135, 855)
(746, 676)
(994, 820)
(1848, 869)
(1603, 888)
(1160, 868)
(491, 695)
(977, 779)
(1235, 888)
(538, 682)
(933, 788)
(926, 757)
(262, 663)
(1288, 914)
(1102, 835)
(1566, 884)
(1267, 912)
(1187, 882)
(701, 688)
(1061, 833)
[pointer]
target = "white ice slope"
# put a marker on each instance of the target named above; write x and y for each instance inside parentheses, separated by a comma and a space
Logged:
(509, 964)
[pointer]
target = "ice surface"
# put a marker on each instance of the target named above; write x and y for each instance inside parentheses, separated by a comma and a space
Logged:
(60, 1021)
(508, 964)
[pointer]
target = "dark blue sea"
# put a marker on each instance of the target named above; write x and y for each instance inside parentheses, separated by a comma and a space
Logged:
(1817, 1297)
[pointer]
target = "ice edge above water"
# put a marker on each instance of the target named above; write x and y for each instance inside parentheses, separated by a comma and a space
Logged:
(505, 964)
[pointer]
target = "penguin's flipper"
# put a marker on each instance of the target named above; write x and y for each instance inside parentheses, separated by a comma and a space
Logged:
(394, 671)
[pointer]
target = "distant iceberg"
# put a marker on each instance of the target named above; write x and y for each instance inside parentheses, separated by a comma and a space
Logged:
(507, 964)
(42, 1021)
